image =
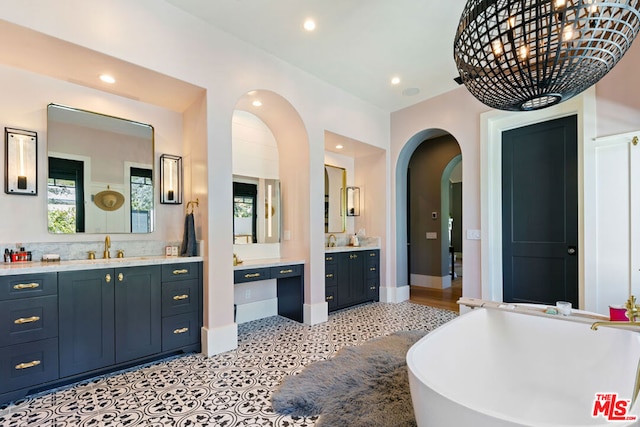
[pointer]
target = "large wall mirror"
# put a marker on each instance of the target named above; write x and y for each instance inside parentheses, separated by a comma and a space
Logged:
(257, 212)
(335, 182)
(100, 173)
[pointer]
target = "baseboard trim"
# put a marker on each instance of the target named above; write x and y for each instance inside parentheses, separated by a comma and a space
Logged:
(314, 314)
(394, 295)
(219, 340)
(435, 282)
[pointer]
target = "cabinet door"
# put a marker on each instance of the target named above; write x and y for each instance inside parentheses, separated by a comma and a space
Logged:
(86, 333)
(138, 321)
(357, 265)
(343, 279)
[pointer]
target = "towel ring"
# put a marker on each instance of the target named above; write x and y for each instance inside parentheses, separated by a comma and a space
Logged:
(193, 203)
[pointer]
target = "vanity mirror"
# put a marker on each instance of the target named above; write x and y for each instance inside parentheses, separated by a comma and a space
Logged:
(335, 181)
(256, 210)
(100, 173)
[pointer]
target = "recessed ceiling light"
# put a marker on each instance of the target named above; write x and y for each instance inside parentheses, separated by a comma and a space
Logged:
(257, 103)
(395, 80)
(339, 147)
(309, 24)
(107, 78)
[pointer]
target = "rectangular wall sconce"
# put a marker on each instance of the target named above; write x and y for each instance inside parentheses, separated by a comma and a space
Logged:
(170, 179)
(353, 201)
(21, 162)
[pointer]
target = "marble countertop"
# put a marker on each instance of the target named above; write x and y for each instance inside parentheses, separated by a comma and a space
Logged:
(351, 248)
(267, 262)
(31, 267)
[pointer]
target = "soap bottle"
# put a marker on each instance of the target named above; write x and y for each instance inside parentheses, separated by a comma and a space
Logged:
(7, 256)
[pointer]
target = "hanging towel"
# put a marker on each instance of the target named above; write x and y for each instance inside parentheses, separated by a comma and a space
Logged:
(189, 238)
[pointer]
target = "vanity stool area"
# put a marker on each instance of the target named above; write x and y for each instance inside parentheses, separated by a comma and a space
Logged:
(66, 321)
(289, 277)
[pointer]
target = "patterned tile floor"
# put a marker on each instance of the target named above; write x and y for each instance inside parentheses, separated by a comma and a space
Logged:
(230, 389)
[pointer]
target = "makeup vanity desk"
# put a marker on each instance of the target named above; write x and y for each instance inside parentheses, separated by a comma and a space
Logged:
(289, 275)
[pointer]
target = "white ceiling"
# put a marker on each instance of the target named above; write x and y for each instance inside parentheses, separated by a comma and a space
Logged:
(358, 45)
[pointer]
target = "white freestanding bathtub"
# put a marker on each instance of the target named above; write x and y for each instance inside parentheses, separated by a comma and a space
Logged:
(498, 368)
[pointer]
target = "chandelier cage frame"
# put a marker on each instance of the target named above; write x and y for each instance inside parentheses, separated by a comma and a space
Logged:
(525, 55)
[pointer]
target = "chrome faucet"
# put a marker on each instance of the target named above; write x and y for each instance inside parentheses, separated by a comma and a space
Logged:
(329, 243)
(107, 245)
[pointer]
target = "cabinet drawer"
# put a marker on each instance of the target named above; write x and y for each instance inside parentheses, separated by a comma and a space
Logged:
(330, 275)
(373, 289)
(331, 296)
(250, 275)
(28, 319)
(24, 365)
(28, 285)
(180, 331)
(286, 271)
(372, 270)
(179, 297)
(180, 271)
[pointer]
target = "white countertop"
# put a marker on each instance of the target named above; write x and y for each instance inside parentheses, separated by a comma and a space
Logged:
(267, 262)
(31, 267)
(351, 248)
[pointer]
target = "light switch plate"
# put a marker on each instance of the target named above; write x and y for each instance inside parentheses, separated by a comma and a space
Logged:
(432, 235)
(473, 234)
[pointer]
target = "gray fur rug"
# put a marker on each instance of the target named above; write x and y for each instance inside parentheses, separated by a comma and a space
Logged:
(366, 385)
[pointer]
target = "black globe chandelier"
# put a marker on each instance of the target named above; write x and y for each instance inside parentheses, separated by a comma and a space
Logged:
(526, 55)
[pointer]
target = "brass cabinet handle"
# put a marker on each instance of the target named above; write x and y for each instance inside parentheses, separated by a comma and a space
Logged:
(24, 320)
(373, 288)
(183, 271)
(372, 254)
(286, 271)
(329, 276)
(120, 277)
(28, 364)
(26, 286)
(329, 298)
(181, 331)
(372, 269)
(329, 258)
(353, 256)
(249, 276)
(107, 278)
(180, 297)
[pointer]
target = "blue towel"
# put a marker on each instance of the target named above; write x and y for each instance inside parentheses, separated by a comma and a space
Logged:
(189, 246)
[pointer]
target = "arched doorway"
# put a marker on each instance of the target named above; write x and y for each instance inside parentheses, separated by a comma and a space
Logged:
(426, 223)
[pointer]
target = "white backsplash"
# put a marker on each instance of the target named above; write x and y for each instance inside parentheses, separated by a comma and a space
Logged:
(80, 250)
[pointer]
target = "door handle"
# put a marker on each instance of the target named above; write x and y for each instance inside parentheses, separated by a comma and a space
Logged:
(571, 250)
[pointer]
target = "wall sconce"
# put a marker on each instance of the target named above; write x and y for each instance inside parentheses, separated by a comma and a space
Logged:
(353, 201)
(21, 162)
(170, 179)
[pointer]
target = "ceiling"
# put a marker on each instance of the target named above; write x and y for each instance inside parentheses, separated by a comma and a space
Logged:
(358, 45)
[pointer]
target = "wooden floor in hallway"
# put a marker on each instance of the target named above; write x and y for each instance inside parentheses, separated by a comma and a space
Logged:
(440, 298)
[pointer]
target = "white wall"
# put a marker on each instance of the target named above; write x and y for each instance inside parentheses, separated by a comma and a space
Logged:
(174, 43)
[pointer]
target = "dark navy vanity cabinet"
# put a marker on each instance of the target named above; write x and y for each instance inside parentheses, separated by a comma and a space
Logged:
(57, 328)
(351, 278)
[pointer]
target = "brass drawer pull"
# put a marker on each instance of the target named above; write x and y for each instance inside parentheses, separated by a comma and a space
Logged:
(286, 271)
(180, 297)
(373, 288)
(251, 275)
(372, 254)
(372, 269)
(23, 320)
(28, 364)
(183, 271)
(329, 298)
(26, 286)
(181, 331)
(353, 256)
(107, 278)
(329, 258)
(329, 276)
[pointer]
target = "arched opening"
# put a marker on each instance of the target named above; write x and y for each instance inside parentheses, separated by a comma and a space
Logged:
(427, 220)
(269, 143)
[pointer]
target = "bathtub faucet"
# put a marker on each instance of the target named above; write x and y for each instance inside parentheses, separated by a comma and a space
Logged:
(633, 311)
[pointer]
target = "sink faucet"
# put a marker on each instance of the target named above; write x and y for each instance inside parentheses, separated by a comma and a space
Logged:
(329, 243)
(107, 245)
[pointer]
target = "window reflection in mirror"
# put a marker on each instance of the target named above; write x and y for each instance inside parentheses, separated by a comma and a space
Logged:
(335, 181)
(256, 210)
(90, 153)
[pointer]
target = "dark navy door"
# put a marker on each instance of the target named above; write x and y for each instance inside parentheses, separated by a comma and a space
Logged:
(540, 212)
